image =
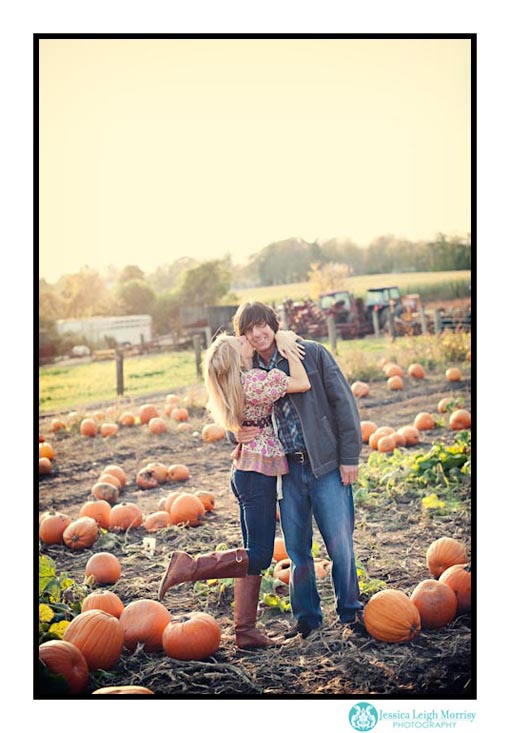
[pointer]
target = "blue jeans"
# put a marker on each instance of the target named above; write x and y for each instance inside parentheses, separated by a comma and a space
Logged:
(256, 494)
(331, 503)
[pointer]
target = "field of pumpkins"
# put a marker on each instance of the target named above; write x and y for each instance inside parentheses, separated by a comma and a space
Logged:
(123, 485)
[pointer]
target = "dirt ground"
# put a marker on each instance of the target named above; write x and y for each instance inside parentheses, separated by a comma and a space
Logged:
(343, 661)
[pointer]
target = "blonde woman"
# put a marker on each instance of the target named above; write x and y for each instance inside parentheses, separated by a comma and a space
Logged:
(242, 396)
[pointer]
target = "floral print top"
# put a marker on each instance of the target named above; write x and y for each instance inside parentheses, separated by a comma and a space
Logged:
(265, 453)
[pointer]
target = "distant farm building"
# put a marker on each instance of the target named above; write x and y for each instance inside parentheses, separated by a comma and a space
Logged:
(108, 330)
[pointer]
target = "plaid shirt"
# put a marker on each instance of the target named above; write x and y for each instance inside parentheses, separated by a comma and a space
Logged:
(287, 420)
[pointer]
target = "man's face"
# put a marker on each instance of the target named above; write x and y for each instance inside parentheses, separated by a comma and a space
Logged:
(261, 337)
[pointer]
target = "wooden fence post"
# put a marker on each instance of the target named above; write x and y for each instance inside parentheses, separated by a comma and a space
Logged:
(197, 345)
(332, 333)
(391, 324)
(437, 321)
(375, 322)
(423, 320)
(119, 363)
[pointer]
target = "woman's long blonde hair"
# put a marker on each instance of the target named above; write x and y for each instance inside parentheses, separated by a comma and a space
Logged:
(222, 375)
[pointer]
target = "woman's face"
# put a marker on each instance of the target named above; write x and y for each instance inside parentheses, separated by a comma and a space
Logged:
(244, 348)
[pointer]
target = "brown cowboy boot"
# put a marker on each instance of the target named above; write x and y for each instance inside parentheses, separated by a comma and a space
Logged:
(182, 568)
(246, 599)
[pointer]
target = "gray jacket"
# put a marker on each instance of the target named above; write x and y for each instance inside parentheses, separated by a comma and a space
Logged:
(328, 412)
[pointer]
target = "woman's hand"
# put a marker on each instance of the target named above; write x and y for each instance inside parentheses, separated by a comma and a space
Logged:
(246, 434)
(288, 346)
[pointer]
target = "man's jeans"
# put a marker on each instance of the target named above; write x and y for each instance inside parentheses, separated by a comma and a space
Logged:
(256, 494)
(332, 505)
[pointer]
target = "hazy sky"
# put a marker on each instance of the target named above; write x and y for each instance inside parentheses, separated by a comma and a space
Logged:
(155, 149)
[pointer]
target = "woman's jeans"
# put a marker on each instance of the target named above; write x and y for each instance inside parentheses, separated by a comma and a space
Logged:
(256, 494)
(331, 503)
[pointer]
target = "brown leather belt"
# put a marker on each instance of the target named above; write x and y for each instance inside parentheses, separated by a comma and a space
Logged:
(262, 422)
(298, 457)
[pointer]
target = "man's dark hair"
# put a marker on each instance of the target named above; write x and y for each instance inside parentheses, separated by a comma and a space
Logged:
(254, 313)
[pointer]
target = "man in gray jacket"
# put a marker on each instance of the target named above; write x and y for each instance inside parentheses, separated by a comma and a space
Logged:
(320, 431)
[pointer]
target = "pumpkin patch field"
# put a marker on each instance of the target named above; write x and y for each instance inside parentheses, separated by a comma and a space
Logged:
(115, 501)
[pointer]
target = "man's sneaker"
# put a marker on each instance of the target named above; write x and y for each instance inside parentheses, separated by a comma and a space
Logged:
(302, 627)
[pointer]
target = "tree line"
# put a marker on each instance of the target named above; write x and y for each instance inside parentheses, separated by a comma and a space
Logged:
(187, 282)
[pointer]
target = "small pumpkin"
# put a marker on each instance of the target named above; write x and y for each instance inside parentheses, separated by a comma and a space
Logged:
(395, 382)
(143, 622)
(81, 533)
(443, 553)
(391, 616)
(447, 404)
(367, 428)
(169, 500)
(416, 371)
(103, 600)
(157, 426)
(322, 568)
(178, 472)
(157, 520)
(392, 370)
(146, 478)
(207, 498)
(104, 567)
(172, 399)
(159, 470)
(410, 434)
(88, 427)
(52, 527)
(386, 443)
(279, 550)
(460, 420)
(124, 516)
(458, 578)
(436, 604)
(374, 437)
(424, 421)
(212, 432)
(127, 419)
(453, 374)
(360, 389)
(193, 637)
(57, 425)
(108, 429)
(179, 414)
(99, 636)
(400, 441)
(147, 412)
(45, 466)
(187, 509)
(123, 690)
(65, 659)
(105, 491)
(109, 478)
(184, 427)
(114, 470)
(97, 509)
(46, 451)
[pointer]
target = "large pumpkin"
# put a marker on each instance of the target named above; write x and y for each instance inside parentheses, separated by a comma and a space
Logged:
(169, 500)
(187, 508)
(104, 567)
(125, 516)
(443, 553)
(143, 622)
(391, 616)
(81, 533)
(103, 600)
(52, 527)
(458, 577)
(436, 602)
(97, 509)
(63, 658)
(192, 637)
(99, 636)
(123, 690)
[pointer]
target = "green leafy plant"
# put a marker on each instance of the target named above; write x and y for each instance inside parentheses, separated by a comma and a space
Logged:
(60, 599)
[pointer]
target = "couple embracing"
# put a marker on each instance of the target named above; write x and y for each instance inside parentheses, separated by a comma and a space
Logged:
(294, 420)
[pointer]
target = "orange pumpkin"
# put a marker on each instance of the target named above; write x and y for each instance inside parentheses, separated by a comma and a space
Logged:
(169, 500)
(52, 527)
(212, 433)
(446, 404)
(379, 433)
(105, 568)
(127, 419)
(65, 659)
(207, 498)
(143, 622)
(424, 421)
(179, 414)
(386, 444)
(105, 491)
(184, 427)
(395, 382)
(410, 434)
(147, 412)
(436, 604)
(367, 428)
(57, 425)
(172, 399)
(187, 509)
(146, 478)
(393, 370)
(99, 636)
(460, 420)
(281, 570)
(279, 551)
(123, 690)
(103, 600)
(322, 568)
(157, 426)
(399, 438)
(159, 470)
(192, 637)
(125, 516)
(46, 451)
(109, 478)
(81, 533)
(118, 472)
(88, 427)
(45, 466)
(108, 429)
(157, 520)
(97, 509)
(416, 371)
(391, 616)
(178, 472)
(453, 374)
(360, 389)
(443, 553)
(458, 578)
(99, 415)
